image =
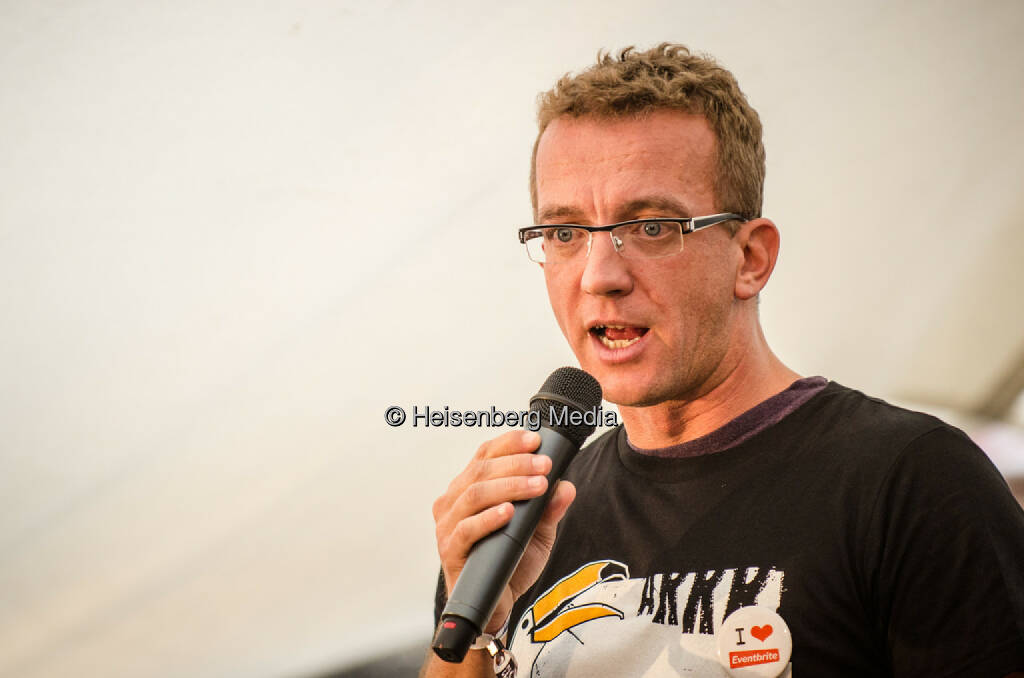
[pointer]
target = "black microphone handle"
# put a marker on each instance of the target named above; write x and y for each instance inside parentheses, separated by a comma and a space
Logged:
(493, 559)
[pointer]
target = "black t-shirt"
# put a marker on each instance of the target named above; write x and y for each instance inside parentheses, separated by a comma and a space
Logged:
(884, 538)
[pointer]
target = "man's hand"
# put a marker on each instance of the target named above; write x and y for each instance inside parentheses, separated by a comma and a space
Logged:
(478, 502)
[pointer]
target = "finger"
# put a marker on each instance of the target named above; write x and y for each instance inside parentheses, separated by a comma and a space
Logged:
(455, 548)
(487, 493)
(521, 464)
(506, 455)
(564, 494)
(511, 442)
(528, 464)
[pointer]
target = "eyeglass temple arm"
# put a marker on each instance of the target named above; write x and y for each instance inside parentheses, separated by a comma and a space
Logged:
(698, 223)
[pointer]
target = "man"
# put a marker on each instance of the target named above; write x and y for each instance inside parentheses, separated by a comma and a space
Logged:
(883, 539)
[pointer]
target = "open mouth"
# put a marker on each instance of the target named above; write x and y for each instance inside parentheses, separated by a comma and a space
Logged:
(618, 336)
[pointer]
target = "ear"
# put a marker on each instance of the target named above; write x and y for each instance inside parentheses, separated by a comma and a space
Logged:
(758, 240)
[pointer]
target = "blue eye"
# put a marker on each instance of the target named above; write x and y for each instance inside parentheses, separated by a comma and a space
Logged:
(652, 229)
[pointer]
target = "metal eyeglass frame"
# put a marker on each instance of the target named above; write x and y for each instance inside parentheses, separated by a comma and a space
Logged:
(689, 225)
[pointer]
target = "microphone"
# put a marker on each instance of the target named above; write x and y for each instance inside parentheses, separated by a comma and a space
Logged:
(562, 402)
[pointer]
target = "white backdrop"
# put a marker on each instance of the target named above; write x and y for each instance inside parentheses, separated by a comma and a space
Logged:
(232, 234)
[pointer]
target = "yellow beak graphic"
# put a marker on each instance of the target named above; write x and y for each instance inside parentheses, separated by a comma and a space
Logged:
(554, 612)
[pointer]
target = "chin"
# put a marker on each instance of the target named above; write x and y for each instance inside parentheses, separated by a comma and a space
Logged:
(627, 390)
(634, 399)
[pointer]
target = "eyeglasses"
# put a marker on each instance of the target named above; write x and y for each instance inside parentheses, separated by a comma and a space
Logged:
(635, 239)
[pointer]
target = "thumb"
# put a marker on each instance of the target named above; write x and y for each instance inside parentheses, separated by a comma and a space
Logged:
(565, 493)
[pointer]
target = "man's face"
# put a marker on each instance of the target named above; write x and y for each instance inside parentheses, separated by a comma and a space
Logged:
(649, 330)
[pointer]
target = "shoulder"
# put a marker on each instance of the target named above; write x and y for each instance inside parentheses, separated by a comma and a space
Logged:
(889, 456)
(858, 451)
(853, 429)
(849, 412)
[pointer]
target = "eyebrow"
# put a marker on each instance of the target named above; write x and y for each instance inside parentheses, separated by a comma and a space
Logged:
(670, 207)
(558, 214)
(664, 204)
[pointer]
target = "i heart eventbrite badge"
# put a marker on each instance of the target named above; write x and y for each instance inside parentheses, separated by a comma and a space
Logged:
(754, 641)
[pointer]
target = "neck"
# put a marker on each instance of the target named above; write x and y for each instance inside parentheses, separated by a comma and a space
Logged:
(748, 374)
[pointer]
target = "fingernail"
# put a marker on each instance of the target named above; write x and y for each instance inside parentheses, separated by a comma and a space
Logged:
(536, 482)
(531, 438)
(540, 462)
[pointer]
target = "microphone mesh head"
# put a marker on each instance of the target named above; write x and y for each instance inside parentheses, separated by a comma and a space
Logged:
(568, 390)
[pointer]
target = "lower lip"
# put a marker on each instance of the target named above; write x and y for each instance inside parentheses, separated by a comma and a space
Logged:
(619, 355)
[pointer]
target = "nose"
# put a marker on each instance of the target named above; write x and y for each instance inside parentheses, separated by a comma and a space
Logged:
(606, 273)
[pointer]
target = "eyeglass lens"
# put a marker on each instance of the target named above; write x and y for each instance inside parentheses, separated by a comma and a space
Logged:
(647, 240)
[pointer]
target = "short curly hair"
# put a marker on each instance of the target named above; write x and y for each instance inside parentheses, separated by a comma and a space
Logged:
(668, 76)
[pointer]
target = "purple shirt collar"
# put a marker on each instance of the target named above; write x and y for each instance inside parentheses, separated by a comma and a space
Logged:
(759, 417)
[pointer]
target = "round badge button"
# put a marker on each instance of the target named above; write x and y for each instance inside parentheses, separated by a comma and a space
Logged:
(754, 641)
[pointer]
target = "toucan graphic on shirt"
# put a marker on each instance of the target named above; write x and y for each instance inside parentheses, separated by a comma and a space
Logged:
(599, 621)
(555, 611)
